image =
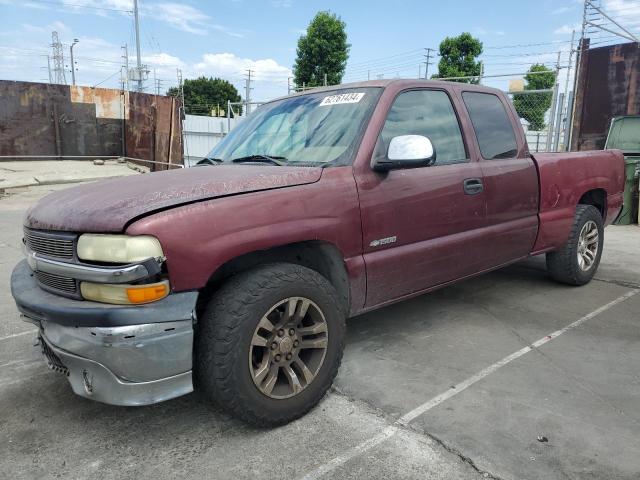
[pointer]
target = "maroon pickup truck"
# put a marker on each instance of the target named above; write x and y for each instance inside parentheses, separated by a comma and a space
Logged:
(235, 277)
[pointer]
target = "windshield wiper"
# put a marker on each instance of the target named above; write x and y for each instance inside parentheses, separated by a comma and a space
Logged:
(280, 161)
(208, 161)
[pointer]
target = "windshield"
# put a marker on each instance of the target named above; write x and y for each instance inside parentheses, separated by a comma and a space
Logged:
(313, 129)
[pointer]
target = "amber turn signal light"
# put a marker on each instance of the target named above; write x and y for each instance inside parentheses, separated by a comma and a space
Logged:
(147, 293)
(124, 294)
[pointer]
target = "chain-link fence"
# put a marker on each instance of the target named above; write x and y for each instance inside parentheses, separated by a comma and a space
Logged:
(536, 114)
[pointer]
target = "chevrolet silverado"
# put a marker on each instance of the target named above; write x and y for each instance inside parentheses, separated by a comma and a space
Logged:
(235, 277)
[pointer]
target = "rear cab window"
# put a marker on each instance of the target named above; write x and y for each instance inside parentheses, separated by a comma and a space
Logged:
(491, 125)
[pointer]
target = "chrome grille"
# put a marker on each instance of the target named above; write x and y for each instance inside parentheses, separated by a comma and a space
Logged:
(50, 244)
(53, 361)
(56, 282)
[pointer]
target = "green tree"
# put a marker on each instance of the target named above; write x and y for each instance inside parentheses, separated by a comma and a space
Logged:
(533, 106)
(323, 50)
(458, 58)
(206, 96)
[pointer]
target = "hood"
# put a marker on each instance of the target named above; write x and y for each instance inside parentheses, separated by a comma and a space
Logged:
(108, 206)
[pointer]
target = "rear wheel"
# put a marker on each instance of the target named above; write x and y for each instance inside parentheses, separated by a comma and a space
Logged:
(269, 343)
(577, 262)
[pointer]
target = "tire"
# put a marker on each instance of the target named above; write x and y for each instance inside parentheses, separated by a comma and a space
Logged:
(229, 354)
(565, 265)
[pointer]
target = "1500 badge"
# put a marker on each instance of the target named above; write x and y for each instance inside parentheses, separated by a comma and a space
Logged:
(383, 241)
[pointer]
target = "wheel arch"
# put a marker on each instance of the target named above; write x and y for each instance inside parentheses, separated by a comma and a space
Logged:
(596, 197)
(320, 256)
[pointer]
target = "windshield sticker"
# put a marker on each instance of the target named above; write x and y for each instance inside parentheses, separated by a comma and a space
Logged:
(342, 98)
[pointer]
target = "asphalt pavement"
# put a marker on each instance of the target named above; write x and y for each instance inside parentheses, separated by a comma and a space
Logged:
(508, 375)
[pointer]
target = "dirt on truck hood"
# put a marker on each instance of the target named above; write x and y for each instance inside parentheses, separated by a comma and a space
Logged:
(107, 206)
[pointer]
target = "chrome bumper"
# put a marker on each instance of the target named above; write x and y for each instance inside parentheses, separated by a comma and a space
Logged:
(89, 273)
(129, 366)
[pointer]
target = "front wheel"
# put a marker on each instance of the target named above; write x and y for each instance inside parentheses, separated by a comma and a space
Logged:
(269, 343)
(577, 261)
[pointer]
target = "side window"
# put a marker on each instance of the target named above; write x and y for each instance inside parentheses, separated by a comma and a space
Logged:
(428, 113)
(491, 124)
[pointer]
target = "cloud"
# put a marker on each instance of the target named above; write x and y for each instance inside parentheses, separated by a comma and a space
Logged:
(567, 29)
(269, 78)
(178, 15)
(163, 60)
(483, 32)
(625, 11)
(181, 16)
(229, 65)
(561, 10)
(57, 26)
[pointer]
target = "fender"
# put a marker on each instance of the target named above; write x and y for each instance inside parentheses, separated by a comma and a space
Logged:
(198, 239)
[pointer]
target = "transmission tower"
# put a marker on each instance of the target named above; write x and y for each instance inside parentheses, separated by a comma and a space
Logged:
(58, 60)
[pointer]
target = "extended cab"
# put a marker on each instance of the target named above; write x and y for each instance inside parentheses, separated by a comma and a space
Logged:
(235, 277)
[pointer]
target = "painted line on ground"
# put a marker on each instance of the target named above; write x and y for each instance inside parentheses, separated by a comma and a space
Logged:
(15, 335)
(453, 391)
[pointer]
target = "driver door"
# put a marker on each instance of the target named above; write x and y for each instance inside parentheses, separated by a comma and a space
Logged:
(422, 226)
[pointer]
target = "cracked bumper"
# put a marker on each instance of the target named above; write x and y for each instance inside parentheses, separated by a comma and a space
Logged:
(135, 355)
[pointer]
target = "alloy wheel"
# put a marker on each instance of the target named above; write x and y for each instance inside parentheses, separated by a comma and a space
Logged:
(288, 347)
(588, 242)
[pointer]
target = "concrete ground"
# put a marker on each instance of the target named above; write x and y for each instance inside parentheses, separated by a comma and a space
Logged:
(445, 386)
(25, 173)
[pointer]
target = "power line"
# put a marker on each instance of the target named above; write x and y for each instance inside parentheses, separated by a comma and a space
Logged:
(108, 78)
(375, 60)
(526, 54)
(525, 45)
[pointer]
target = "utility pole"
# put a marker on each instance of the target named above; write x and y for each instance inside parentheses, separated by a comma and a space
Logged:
(58, 60)
(247, 93)
(49, 67)
(181, 86)
(428, 55)
(481, 72)
(568, 97)
(325, 79)
(73, 64)
(156, 83)
(138, 61)
(288, 85)
(554, 100)
(576, 76)
(125, 57)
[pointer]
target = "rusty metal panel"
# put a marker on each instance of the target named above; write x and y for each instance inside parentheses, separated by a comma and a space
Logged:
(153, 129)
(610, 87)
(26, 118)
(44, 119)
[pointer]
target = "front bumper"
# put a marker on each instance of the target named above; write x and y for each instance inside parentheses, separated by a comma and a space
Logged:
(120, 355)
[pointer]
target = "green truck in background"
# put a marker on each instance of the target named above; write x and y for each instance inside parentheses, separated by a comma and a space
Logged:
(624, 134)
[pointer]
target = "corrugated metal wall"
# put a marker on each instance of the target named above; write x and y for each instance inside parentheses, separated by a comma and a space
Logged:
(45, 119)
(202, 133)
(608, 86)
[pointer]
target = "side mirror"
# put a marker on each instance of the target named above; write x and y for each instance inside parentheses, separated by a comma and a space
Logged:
(407, 151)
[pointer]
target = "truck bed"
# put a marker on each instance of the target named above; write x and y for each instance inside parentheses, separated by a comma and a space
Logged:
(564, 179)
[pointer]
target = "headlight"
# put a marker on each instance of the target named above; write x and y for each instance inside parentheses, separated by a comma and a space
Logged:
(124, 294)
(118, 248)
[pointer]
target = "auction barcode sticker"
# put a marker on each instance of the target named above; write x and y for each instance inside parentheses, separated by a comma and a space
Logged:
(342, 98)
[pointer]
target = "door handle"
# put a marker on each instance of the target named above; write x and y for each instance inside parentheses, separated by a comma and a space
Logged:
(473, 186)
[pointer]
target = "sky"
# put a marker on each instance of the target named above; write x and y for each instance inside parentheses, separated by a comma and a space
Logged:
(224, 38)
